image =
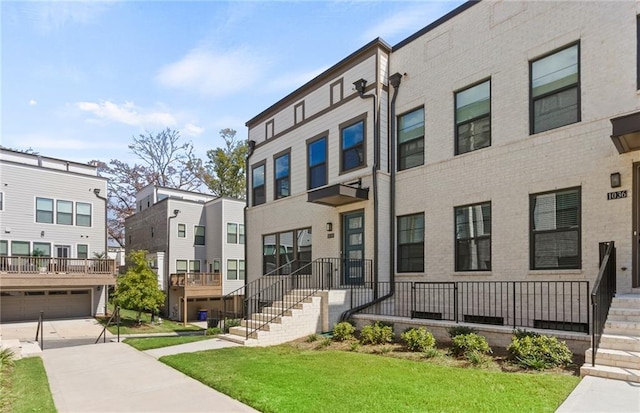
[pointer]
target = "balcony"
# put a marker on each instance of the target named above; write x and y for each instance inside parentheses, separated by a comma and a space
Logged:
(19, 271)
(197, 284)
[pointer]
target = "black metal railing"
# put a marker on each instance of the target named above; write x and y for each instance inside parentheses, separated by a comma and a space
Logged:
(604, 288)
(115, 315)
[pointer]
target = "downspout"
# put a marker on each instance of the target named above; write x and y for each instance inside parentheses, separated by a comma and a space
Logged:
(96, 192)
(251, 146)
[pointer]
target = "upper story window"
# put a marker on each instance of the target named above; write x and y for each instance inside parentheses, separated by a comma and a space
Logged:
(1, 201)
(198, 235)
(555, 230)
(240, 233)
(411, 243)
(232, 233)
(181, 266)
(194, 266)
(83, 214)
(352, 146)
(317, 162)
(555, 90)
(4, 247)
(44, 210)
(64, 215)
(473, 237)
(282, 167)
(258, 185)
(473, 118)
(232, 269)
(411, 139)
(182, 231)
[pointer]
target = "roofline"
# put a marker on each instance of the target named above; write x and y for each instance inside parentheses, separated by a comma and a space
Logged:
(35, 155)
(375, 42)
(453, 13)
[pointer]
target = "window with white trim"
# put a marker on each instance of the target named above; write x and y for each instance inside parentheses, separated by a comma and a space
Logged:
(44, 210)
(83, 214)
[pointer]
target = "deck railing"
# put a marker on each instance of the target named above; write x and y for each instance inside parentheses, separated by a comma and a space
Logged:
(196, 279)
(50, 265)
(604, 288)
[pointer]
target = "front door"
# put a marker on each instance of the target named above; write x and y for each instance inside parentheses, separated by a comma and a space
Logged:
(353, 248)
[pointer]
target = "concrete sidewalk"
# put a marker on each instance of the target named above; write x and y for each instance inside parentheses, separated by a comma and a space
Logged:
(115, 377)
(211, 344)
(598, 395)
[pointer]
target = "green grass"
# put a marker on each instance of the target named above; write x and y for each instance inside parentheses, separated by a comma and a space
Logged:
(29, 387)
(149, 343)
(286, 379)
(128, 324)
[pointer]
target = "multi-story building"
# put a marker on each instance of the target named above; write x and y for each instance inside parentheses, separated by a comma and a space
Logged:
(195, 243)
(53, 226)
(479, 167)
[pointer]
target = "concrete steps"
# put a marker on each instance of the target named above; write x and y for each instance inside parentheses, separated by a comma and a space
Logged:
(22, 349)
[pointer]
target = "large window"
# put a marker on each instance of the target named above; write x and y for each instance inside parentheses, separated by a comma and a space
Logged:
(20, 248)
(181, 266)
(198, 238)
(282, 167)
(182, 231)
(83, 214)
(555, 230)
(555, 90)
(411, 139)
(317, 161)
(43, 247)
(411, 243)
(352, 146)
(258, 185)
(194, 266)
(44, 210)
(64, 215)
(83, 251)
(232, 233)
(232, 270)
(473, 237)
(473, 118)
(287, 251)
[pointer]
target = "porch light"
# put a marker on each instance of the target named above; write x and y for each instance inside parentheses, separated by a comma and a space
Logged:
(360, 85)
(616, 180)
(329, 226)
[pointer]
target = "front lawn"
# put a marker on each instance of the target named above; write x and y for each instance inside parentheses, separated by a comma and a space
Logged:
(129, 325)
(149, 343)
(27, 387)
(286, 378)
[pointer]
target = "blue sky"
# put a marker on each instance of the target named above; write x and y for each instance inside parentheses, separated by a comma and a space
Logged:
(79, 79)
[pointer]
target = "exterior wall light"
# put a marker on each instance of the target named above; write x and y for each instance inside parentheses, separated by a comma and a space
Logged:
(616, 180)
(329, 226)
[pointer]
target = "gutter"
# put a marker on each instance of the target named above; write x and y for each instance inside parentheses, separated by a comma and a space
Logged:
(251, 144)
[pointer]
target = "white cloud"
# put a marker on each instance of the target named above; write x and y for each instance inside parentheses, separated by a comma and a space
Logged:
(406, 21)
(32, 102)
(213, 73)
(128, 113)
(191, 130)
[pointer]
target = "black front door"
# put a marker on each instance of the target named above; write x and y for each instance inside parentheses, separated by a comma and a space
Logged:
(353, 248)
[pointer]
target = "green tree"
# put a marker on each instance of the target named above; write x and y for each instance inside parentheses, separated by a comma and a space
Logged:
(224, 170)
(138, 288)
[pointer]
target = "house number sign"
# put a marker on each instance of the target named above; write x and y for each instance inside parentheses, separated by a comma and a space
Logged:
(616, 195)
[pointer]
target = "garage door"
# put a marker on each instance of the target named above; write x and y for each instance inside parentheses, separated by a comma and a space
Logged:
(26, 305)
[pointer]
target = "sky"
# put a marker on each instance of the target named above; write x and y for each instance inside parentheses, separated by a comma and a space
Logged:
(80, 79)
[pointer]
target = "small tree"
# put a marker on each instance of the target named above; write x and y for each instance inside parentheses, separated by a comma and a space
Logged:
(138, 288)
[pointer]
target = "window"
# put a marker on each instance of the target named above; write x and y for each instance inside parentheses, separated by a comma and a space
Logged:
(473, 118)
(555, 90)
(281, 174)
(4, 247)
(83, 251)
(555, 230)
(232, 233)
(232, 270)
(64, 215)
(216, 266)
(352, 146)
(182, 231)
(317, 162)
(241, 236)
(258, 185)
(282, 254)
(637, 55)
(473, 237)
(199, 235)
(43, 247)
(44, 210)
(411, 139)
(241, 272)
(83, 214)
(20, 248)
(194, 266)
(411, 243)
(181, 266)
(1, 201)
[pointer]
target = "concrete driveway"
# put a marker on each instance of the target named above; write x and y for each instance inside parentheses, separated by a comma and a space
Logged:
(56, 333)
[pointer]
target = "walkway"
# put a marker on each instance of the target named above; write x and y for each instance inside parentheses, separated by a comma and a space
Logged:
(598, 395)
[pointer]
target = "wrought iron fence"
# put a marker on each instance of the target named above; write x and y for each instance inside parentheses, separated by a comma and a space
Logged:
(604, 288)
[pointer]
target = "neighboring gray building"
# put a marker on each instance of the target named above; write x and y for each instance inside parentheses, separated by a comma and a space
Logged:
(195, 243)
(52, 222)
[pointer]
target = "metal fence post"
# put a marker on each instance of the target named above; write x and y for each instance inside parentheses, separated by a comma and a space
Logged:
(118, 322)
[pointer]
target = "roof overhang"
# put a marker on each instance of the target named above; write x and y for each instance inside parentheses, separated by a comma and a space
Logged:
(337, 195)
(626, 132)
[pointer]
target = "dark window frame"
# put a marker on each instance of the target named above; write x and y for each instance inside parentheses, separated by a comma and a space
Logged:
(577, 85)
(82, 255)
(532, 233)
(182, 230)
(229, 270)
(199, 239)
(276, 187)
(255, 201)
(325, 164)
(399, 246)
(232, 237)
(342, 127)
(457, 125)
(186, 267)
(295, 252)
(414, 140)
(482, 237)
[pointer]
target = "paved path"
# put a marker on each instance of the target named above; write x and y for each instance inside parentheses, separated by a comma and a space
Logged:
(115, 377)
(211, 344)
(598, 395)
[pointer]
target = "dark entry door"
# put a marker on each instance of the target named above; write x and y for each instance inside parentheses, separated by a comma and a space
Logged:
(353, 248)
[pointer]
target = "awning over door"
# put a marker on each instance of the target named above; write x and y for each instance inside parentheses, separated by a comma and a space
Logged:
(339, 194)
(626, 132)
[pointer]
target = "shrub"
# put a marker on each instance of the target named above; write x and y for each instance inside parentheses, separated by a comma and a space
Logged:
(6, 358)
(343, 331)
(354, 346)
(376, 334)
(325, 342)
(460, 330)
(477, 358)
(519, 333)
(418, 339)
(213, 331)
(465, 343)
(231, 322)
(312, 337)
(539, 352)
(431, 352)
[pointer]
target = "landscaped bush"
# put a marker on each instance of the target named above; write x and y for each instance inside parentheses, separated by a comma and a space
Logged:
(539, 352)
(213, 331)
(343, 331)
(418, 339)
(312, 337)
(519, 333)
(465, 343)
(376, 334)
(231, 322)
(460, 330)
